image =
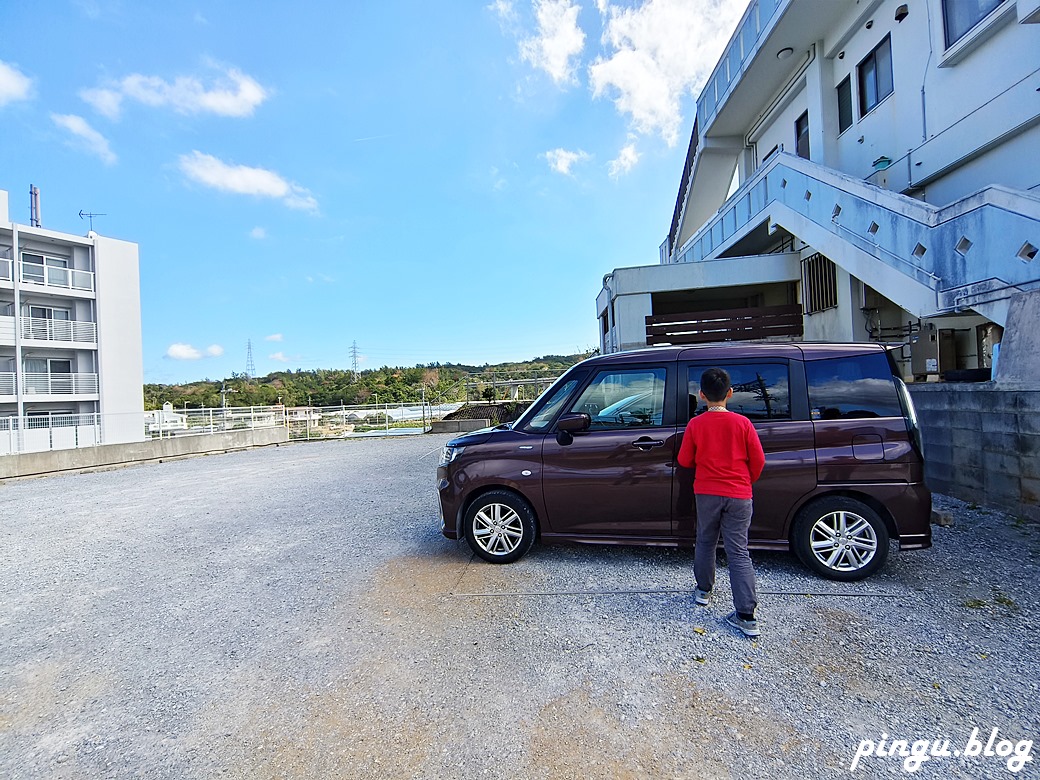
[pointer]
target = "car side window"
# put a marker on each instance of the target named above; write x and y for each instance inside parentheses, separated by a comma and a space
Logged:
(761, 391)
(624, 399)
(850, 388)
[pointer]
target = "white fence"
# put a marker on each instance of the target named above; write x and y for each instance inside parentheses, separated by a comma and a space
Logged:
(54, 432)
(40, 433)
(340, 422)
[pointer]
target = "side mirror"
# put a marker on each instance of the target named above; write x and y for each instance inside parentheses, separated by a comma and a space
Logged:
(574, 421)
(571, 422)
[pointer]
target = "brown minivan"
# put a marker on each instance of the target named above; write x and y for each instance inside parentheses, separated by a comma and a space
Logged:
(593, 459)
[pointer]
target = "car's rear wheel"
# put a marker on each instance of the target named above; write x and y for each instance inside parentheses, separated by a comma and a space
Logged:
(841, 538)
(500, 526)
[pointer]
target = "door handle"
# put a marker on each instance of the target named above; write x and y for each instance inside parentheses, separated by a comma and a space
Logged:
(646, 444)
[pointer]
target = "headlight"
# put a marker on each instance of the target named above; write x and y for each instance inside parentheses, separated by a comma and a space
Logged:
(449, 453)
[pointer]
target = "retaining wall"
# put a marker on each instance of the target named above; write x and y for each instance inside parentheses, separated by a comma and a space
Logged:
(458, 426)
(982, 443)
(25, 464)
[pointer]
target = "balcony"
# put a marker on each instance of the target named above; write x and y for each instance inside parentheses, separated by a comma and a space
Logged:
(6, 383)
(58, 277)
(5, 269)
(57, 330)
(60, 384)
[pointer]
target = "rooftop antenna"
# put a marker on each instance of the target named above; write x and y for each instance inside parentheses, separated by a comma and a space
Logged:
(89, 216)
(250, 368)
(34, 206)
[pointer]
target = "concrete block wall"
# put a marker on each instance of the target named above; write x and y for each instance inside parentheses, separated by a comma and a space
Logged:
(982, 443)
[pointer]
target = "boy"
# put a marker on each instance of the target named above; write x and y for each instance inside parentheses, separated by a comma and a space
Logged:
(725, 450)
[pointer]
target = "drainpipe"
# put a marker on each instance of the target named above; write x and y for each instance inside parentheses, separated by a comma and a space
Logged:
(16, 274)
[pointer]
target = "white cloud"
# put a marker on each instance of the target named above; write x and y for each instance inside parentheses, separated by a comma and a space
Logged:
(273, 337)
(233, 94)
(14, 85)
(561, 160)
(504, 9)
(662, 50)
(279, 356)
(258, 233)
(243, 180)
(559, 40)
(87, 137)
(625, 161)
(181, 351)
(106, 102)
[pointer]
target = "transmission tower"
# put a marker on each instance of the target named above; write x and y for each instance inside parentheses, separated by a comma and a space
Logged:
(353, 359)
(250, 368)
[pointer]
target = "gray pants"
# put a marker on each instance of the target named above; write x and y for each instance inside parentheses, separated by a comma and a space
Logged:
(731, 517)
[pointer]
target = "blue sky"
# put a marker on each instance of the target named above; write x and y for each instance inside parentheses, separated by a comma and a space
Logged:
(435, 181)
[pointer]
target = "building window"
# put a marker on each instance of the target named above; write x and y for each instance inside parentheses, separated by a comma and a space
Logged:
(875, 77)
(960, 16)
(845, 105)
(819, 284)
(801, 135)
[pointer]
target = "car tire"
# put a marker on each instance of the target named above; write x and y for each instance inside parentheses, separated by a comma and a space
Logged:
(841, 538)
(500, 526)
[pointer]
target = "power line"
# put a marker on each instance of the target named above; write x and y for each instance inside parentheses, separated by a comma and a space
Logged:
(354, 359)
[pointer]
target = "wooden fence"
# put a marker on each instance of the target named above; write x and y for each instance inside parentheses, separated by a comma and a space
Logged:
(726, 325)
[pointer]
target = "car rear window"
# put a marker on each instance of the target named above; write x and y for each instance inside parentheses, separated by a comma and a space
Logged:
(761, 391)
(853, 387)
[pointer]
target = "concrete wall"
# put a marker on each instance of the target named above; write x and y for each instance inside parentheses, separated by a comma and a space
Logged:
(458, 426)
(28, 464)
(120, 368)
(982, 443)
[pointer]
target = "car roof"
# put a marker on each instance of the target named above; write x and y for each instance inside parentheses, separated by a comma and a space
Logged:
(731, 350)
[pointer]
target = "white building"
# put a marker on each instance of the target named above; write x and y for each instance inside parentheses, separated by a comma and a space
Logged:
(858, 170)
(70, 339)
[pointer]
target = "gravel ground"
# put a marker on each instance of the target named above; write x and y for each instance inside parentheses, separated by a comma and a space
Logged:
(293, 612)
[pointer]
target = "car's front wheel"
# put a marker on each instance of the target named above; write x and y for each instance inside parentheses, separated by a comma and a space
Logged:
(841, 538)
(500, 526)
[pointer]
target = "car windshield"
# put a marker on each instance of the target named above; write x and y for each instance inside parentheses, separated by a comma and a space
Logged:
(554, 398)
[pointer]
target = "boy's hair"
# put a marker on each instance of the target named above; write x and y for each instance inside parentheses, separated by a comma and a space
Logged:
(715, 384)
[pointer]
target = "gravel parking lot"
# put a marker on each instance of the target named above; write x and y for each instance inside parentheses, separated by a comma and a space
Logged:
(293, 612)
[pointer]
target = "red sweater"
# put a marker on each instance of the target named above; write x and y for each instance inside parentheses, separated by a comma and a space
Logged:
(725, 450)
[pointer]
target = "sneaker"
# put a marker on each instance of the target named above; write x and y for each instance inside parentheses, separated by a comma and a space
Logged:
(746, 627)
(700, 597)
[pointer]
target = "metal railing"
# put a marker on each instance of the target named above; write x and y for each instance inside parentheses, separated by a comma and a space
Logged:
(60, 384)
(7, 383)
(49, 432)
(59, 330)
(52, 276)
(168, 422)
(40, 433)
(362, 420)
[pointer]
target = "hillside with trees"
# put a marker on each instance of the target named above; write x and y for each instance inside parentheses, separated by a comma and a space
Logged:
(443, 382)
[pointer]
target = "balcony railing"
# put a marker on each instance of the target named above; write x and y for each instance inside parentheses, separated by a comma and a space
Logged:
(7, 384)
(60, 384)
(5, 269)
(59, 330)
(51, 276)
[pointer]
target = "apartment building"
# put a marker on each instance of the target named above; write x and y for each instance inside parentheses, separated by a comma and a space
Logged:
(70, 339)
(858, 170)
